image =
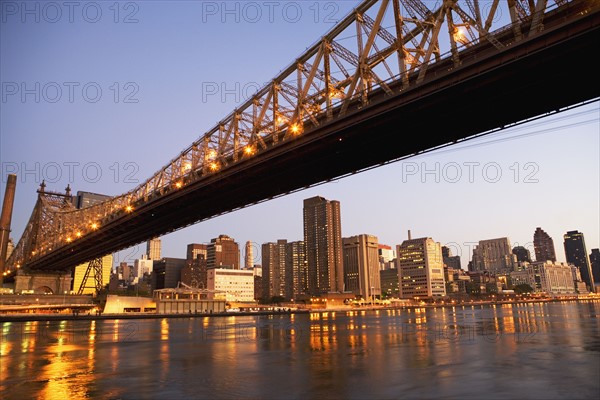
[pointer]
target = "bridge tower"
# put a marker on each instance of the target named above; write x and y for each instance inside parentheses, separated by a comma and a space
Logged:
(5, 218)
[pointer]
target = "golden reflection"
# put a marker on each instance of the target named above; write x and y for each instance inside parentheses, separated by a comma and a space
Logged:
(92, 334)
(164, 329)
(28, 336)
(116, 331)
(59, 375)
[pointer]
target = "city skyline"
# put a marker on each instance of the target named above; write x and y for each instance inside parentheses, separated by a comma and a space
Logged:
(541, 174)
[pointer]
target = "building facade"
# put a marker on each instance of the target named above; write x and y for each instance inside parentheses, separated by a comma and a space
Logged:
(89, 285)
(296, 268)
(273, 268)
(576, 254)
(493, 255)
(153, 249)
(543, 246)
(235, 284)
(323, 240)
(546, 276)
(420, 268)
(223, 252)
(195, 249)
(361, 266)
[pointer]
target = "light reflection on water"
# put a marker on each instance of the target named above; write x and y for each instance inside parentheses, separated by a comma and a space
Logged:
(525, 351)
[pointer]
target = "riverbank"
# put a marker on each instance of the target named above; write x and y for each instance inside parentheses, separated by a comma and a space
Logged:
(26, 317)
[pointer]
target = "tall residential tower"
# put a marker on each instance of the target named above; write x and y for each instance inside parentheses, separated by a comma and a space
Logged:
(323, 240)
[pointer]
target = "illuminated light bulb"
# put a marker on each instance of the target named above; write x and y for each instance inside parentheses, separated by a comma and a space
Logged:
(214, 166)
(211, 154)
(178, 185)
(296, 128)
(249, 150)
(94, 225)
(129, 208)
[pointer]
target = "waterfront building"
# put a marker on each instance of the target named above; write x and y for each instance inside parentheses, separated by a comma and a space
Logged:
(323, 240)
(166, 272)
(577, 255)
(595, 264)
(420, 268)
(274, 268)
(493, 255)
(389, 283)
(296, 269)
(235, 284)
(361, 266)
(546, 276)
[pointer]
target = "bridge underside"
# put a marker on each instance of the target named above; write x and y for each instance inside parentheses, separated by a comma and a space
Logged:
(533, 77)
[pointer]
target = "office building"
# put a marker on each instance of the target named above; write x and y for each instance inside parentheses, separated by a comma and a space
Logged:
(361, 266)
(389, 283)
(546, 276)
(595, 264)
(420, 268)
(234, 284)
(195, 249)
(153, 249)
(576, 254)
(166, 272)
(450, 261)
(323, 240)
(87, 199)
(194, 274)
(522, 254)
(223, 252)
(387, 255)
(494, 256)
(142, 267)
(543, 245)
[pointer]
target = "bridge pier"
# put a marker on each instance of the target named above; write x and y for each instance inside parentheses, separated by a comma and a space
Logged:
(43, 282)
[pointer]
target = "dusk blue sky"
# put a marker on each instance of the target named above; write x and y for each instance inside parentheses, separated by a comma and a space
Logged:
(154, 72)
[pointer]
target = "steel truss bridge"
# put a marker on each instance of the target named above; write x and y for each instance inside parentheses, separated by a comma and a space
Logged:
(393, 79)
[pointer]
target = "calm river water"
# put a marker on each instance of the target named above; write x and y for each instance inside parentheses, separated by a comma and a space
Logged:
(525, 351)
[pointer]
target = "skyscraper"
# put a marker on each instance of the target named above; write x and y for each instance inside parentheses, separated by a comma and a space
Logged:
(196, 249)
(420, 268)
(595, 264)
(543, 246)
(153, 249)
(323, 240)
(577, 255)
(296, 280)
(493, 255)
(522, 253)
(361, 266)
(249, 256)
(273, 268)
(223, 252)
